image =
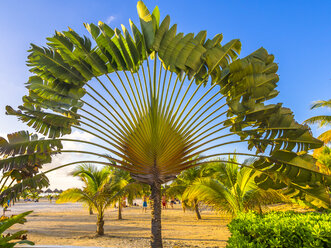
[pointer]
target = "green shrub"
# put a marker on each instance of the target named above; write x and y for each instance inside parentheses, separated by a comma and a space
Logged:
(280, 229)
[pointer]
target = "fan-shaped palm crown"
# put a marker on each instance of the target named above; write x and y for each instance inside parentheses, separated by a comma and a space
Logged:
(144, 96)
(155, 98)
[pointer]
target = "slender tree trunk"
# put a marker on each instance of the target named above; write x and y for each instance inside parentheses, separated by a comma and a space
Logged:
(156, 238)
(100, 224)
(197, 212)
(90, 210)
(120, 209)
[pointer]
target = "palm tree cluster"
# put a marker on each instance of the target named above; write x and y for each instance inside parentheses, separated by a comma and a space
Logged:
(223, 186)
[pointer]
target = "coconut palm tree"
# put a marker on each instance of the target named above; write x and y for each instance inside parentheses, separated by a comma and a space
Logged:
(155, 99)
(182, 183)
(232, 189)
(94, 193)
(122, 186)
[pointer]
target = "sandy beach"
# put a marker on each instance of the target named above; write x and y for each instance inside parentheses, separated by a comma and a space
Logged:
(71, 224)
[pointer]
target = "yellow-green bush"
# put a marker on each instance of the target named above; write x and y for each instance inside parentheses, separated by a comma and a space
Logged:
(281, 229)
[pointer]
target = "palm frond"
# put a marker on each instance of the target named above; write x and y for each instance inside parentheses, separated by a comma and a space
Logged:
(321, 103)
(325, 137)
(322, 120)
(212, 193)
(74, 195)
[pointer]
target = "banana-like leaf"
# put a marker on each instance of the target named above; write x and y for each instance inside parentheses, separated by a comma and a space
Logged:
(297, 173)
(148, 24)
(24, 154)
(38, 181)
(53, 125)
(247, 83)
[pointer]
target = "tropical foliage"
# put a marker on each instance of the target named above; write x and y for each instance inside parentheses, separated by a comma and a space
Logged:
(155, 99)
(7, 241)
(324, 158)
(231, 188)
(322, 154)
(94, 193)
(281, 229)
(122, 186)
(182, 184)
(321, 120)
(22, 155)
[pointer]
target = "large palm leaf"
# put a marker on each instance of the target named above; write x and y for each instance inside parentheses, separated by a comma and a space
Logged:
(25, 153)
(155, 99)
(75, 195)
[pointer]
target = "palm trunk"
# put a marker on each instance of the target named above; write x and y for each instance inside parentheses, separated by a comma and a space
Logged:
(91, 210)
(260, 209)
(197, 212)
(100, 224)
(156, 238)
(120, 209)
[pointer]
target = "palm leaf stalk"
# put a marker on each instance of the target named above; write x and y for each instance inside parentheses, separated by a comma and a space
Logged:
(155, 98)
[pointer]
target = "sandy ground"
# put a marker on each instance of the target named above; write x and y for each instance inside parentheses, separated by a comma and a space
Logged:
(70, 224)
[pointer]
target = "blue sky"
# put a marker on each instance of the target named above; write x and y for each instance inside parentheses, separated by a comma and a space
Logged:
(298, 33)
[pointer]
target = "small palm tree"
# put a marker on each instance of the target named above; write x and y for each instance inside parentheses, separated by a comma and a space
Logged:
(232, 189)
(95, 192)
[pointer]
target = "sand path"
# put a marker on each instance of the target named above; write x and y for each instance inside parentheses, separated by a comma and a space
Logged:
(70, 224)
